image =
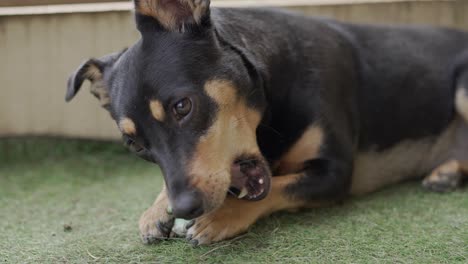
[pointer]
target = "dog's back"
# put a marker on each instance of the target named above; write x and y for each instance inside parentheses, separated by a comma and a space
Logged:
(403, 71)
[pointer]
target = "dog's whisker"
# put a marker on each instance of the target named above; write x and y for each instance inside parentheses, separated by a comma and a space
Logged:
(231, 192)
(272, 129)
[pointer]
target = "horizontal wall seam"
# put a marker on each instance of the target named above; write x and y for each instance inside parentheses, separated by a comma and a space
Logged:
(128, 6)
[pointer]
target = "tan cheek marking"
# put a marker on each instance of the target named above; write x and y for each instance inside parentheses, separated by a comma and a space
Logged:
(306, 148)
(231, 134)
(127, 126)
(157, 110)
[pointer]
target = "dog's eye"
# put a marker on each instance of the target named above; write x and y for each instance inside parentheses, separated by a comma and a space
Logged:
(182, 108)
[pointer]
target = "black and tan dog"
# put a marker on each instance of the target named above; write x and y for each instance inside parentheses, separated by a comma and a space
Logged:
(224, 99)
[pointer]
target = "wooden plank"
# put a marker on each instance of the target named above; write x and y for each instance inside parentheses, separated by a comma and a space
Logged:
(99, 7)
(49, 2)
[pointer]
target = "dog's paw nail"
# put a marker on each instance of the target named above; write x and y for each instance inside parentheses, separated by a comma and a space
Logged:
(194, 243)
(149, 240)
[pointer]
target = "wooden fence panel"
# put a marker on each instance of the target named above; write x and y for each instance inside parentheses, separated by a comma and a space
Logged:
(38, 52)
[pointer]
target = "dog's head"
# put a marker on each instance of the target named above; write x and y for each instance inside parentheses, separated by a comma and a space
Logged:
(188, 101)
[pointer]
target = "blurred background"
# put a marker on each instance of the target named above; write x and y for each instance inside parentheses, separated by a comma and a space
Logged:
(41, 45)
(68, 195)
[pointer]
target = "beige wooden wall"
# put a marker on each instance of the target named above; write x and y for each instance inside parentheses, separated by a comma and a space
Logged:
(38, 52)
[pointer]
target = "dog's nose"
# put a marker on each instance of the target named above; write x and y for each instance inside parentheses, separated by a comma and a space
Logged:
(188, 205)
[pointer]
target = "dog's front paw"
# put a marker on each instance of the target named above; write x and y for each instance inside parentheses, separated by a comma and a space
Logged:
(157, 222)
(232, 219)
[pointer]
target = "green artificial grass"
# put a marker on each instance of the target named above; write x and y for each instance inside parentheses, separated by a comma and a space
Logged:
(72, 201)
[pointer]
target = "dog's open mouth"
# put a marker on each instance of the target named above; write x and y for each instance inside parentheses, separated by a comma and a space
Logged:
(250, 179)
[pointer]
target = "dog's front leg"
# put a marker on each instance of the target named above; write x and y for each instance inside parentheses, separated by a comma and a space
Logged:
(236, 216)
(322, 183)
(156, 223)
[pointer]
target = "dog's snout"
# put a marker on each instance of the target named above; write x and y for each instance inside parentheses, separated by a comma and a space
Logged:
(188, 205)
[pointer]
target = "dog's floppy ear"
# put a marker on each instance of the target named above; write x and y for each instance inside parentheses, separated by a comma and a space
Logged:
(92, 70)
(175, 15)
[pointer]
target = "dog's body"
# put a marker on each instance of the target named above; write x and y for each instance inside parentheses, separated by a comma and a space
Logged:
(329, 109)
(389, 88)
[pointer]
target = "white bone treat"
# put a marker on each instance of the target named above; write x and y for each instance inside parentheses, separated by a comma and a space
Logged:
(179, 227)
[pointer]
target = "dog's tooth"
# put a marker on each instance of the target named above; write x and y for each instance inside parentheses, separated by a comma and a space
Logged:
(243, 193)
(260, 181)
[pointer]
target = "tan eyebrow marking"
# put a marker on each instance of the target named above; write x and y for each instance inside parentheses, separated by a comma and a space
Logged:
(127, 126)
(157, 110)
